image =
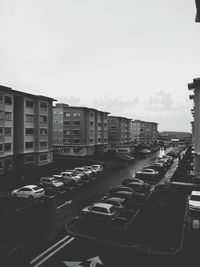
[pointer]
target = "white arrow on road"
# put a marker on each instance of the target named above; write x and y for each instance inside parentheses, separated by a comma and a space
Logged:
(95, 261)
(72, 263)
(66, 203)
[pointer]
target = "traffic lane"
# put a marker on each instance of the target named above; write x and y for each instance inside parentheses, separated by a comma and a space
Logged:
(82, 252)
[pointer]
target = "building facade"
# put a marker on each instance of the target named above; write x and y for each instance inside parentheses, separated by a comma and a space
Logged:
(144, 132)
(79, 131)
(26, 129)
(119, 131)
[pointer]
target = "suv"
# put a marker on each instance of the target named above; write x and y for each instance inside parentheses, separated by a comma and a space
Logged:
(194, 201)
(85, 174)
(69, 183)
(51, 183)
(98, 168)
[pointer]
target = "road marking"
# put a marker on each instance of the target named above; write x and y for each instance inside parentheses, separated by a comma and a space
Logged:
(51, 196)
(66, 203)
(62, 192)
(54, 252)
(50, 248)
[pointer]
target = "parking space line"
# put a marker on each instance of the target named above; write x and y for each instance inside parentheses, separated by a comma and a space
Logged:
(50, 248)
(51, 196)
(62, 192)
(54, 252)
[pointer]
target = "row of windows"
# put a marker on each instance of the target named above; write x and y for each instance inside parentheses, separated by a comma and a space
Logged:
(5, 147)
(5, 131)
(30, 145)
(7, 116)
(30, 104)
(30, 158)
(30, 118)
(74, 114)
(6, 99)
(30, 131)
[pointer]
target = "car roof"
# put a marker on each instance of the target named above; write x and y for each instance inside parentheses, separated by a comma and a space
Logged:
(195, 193)
(29, 186)
(103, 205)
(115, 199)
(124, 192)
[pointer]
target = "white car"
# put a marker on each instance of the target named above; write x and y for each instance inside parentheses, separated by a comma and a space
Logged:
(71, 176)
(97, 167)
(28, 191)
(194, 201)
(105, 210)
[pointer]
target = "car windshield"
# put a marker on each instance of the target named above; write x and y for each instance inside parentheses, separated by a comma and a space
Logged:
(114, 203)
(195, 198)
(36, 188)
(112, 209)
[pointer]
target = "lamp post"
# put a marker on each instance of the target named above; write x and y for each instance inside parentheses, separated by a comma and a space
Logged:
(195, 86)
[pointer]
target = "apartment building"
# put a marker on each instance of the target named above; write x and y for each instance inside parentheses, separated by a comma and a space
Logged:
(26, 129)
(79, 131)
(119, 131)
(144, 132)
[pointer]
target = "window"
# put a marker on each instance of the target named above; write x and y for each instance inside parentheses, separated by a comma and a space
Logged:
(91, 140)
(1, 98)
(29, 158)
(76, 132)
(43, 105)
(66, 150)
(29, 118)
(76, 114)
(43, 157)
(8, 163)
(67, 132)
(66, 122)
(43, 118)
(43, 144)
(1, 115)
(29, 145)
(67, 114)
(91, 114)
(76, 122)
(67, 141)
(29, 104)
(7, 147)
(76, 150)
(99, 140)
(1, 130)
(8, 100)
(43, 131)
(1, 164)
(29, 131)
(91, 123)
(91, 132)
(76, 141)
(8, 131)
(8, 116)
(1, 147)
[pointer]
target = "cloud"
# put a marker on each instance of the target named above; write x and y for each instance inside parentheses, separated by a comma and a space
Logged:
(115, 106)
(160, 102)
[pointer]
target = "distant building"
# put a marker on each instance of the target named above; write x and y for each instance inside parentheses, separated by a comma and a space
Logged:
(119, 131)
(169, 135)
(25, 129)
(144, 132)
(79, 131)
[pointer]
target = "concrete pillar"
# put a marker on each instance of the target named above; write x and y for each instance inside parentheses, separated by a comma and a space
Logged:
(196, 87)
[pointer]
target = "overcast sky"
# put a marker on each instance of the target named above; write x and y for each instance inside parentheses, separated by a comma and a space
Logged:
(131, 58)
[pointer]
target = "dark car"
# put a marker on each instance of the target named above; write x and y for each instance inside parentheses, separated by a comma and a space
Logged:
(157, 168)
(123, 194)
(127, 189)
(119, 203)
(132, 179)
(142, 189)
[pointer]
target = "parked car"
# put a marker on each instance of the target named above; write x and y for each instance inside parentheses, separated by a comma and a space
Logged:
(147, 174)
(128, 158)
(92, 171)
(28, 191)
(118, 203)
(51, 183)
(194, 201)
(98, 168)
(101, 211)
(123, 194)
(77, 173)
(126, 181)
(71, 176)
(146, 151)
(143, 189)
(68, 182)
(125, 188)
(157, 168)
(86, 175)
(166, 162)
